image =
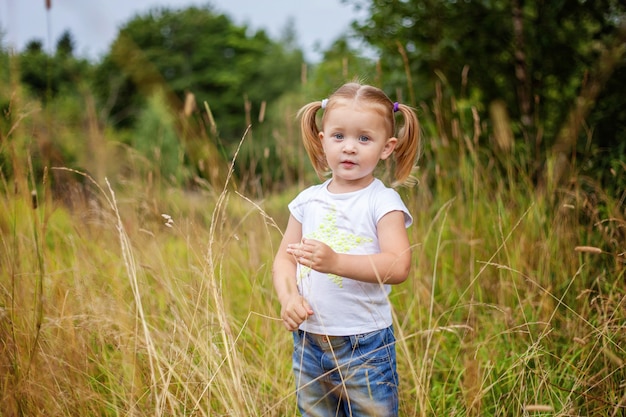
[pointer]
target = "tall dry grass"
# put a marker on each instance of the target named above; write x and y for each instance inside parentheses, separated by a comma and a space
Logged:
(123, 315)
(147, 301)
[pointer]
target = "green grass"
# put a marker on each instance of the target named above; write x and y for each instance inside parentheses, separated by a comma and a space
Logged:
(500, 314)
(108, 308)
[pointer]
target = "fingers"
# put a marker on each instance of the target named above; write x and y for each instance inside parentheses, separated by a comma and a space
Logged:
(293, 315)
(300, 252)
(295, 250)
(307, 307)
(291, 326)
(305, 245)
(292, 323)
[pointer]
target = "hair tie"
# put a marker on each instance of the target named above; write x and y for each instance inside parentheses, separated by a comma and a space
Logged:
(324, 103)
(396, 105)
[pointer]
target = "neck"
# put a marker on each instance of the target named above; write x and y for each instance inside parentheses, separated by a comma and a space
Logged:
(338, 186)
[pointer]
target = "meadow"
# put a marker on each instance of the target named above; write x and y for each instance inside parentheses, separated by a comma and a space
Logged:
(132, 297)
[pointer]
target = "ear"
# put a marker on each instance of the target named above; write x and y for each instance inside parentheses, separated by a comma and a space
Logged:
(390, 146)
(321, 135)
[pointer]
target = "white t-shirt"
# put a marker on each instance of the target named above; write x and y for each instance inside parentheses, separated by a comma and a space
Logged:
(347, 223)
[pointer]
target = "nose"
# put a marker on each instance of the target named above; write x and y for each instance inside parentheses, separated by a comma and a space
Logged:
(349, 146)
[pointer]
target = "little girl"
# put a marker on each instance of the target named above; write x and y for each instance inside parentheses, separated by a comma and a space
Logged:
(345, 245)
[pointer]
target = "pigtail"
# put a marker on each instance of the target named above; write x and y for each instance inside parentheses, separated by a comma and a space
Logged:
(408, 144)
(310, 137)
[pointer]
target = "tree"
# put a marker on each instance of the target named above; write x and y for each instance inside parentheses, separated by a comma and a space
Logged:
(66, 44)
(34, 68)
(195, 50)
(539, 57)
(46, 76)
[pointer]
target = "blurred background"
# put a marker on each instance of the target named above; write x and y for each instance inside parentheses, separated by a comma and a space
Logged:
(148, 151)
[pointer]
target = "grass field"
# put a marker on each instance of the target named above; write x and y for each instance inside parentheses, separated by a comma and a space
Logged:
(132, 300)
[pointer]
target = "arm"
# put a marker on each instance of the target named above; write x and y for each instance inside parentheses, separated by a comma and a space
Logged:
(390, 266)
(294, 308)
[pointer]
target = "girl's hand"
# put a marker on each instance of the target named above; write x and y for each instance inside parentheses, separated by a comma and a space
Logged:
(314, 254)
(295, 310)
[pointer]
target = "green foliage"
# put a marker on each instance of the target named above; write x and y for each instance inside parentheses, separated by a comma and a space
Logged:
(47, 76)
(156, 139)
(65, 44)
(340, 64)
(603, 154)
(105, 310)
(195, 50)
(5, 89)
(500, 313)
(515, 299)
(541, 58)
(34, 68)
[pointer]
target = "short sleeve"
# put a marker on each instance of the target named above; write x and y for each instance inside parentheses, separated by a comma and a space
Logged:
(297, 205)
(388, 200)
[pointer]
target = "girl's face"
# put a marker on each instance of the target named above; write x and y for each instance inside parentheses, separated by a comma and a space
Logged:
(354, 137)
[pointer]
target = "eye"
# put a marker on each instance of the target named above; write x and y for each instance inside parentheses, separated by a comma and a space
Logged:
(364, 139)
(338, 136)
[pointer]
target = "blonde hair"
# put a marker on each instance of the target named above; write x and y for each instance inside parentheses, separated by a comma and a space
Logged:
(405, 152)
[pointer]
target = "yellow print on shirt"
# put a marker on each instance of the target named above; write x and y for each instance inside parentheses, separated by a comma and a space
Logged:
(339, 240)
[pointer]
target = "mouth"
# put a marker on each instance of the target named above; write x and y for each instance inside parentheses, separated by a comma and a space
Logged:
(348, 163)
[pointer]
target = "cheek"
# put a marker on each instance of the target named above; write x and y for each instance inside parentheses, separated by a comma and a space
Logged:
(328, 147)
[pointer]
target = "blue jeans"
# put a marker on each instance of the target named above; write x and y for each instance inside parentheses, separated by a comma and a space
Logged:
(346, 375)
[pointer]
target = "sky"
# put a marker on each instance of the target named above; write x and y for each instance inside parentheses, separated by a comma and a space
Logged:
(94, 23)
